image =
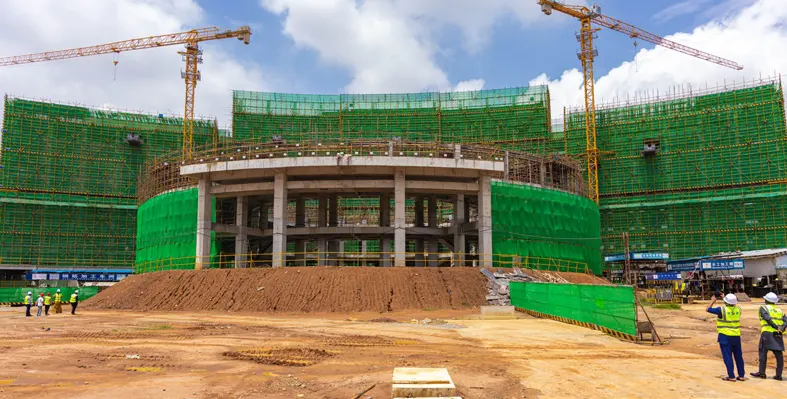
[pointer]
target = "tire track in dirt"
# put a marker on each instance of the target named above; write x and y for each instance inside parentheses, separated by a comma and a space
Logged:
(302, 289)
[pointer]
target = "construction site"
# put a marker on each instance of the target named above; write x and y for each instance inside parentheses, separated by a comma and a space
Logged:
(459, 244)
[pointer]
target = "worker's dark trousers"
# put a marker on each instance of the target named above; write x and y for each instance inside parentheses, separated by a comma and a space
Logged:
(46, 309)
(727, 353)
(74, 307)
(764, 361)
(27, 313)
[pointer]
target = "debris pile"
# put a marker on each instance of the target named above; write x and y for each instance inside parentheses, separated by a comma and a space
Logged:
(498, 285)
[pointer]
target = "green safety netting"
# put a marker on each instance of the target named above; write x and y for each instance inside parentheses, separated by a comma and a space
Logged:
(513, 118)
(14, 295)
(608, 306)
(167, 232)
(537, 222)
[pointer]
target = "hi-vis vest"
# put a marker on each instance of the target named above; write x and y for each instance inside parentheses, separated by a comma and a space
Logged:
(776, 317)
(27, 300)
(58, 297)
(74, 299)
(730, 322)
(47, 300)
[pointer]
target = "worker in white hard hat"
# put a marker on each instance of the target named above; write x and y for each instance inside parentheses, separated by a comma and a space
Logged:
(728, 324)
(58, 301)
(28, 302)
(772, 324)
(74, 301)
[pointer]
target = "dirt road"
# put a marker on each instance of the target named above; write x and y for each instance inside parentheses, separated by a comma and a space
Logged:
(114, 354)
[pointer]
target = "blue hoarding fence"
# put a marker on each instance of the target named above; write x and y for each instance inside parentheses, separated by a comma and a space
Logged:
(637, 256)
(81, 275)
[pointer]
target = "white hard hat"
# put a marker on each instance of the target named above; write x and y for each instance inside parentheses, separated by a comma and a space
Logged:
(76, 291)
(58, 290)
(771, 297)
(29, 293)
(731, 299)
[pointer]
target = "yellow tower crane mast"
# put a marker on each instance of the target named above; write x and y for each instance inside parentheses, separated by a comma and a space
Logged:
(192, 55)
(587, 18)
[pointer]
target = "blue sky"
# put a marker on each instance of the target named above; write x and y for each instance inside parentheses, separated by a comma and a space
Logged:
(512, 57)
(352, 46)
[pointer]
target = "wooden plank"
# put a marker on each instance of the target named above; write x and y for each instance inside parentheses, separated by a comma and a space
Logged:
(415, 375)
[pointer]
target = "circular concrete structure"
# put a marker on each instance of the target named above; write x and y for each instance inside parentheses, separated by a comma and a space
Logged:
(342, 203)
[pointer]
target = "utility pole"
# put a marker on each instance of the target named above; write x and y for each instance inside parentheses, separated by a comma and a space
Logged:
(627, 260)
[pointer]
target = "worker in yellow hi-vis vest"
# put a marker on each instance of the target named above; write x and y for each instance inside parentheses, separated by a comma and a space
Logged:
(772, 324)
(28, 302)
(74, 301)
(58, 301)
(728, 324)
(47, 303)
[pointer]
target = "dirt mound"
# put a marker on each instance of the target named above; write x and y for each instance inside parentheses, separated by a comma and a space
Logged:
(582, 278)
(307, 289)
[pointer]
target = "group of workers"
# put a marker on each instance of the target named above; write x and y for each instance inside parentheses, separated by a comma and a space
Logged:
(44, 301)
(773, 323)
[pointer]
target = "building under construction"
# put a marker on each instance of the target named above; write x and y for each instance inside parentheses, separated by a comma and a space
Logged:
(692, 175)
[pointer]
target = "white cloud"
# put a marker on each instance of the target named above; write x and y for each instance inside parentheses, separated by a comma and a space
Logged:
(470, 85)
(390, 45)
(751, 36)
(146, 80)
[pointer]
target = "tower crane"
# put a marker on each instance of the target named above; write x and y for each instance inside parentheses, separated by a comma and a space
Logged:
(192, 55)
(588, 17)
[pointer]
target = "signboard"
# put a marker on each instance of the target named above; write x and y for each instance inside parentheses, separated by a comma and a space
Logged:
(664, 276)
(637, 256)
(721, 264)
(79, 275)
(38, 276)
(682, 266)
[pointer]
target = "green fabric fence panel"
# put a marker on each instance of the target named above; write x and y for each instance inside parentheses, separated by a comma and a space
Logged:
(608, 306)
(14, 295)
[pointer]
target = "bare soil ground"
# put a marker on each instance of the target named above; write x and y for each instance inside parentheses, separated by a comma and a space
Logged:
(125, 354)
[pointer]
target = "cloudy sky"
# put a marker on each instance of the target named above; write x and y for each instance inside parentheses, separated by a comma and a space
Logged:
(355, 46)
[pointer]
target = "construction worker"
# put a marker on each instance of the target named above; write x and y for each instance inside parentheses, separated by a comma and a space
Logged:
(47, 303)
(40, 304)
(74, 301)
(58, 301)
(728, 324)
(28, 302)
(772, 325)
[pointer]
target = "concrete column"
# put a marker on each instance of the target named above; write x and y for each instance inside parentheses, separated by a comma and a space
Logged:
(322, 221)
(485, 221)
(279, 219)
(322, 249)
(459, 237)
(340, 245)
(300, 221)
(241, 240)
(204, 217)
(385, 221)
(431, 248)
(333, 211)
(333, 221)
(363, 253)
(543, 174)
(419, 222)
(400, 241)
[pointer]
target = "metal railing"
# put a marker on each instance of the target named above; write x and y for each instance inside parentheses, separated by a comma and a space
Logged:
(361, 259)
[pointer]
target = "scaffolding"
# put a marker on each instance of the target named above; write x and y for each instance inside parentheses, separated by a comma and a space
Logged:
(691, 174)
(68, 180)
(513, 119)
